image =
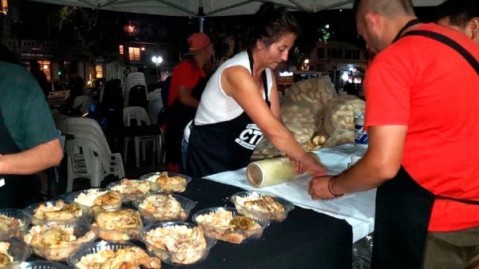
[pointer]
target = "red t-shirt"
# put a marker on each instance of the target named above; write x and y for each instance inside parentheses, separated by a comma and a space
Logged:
(430, 88)
(187, 74)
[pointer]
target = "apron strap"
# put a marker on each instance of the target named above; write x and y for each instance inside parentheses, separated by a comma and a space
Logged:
(263, 75)
(448, 42)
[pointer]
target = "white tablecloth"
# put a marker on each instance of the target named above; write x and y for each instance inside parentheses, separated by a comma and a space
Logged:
(357, 209)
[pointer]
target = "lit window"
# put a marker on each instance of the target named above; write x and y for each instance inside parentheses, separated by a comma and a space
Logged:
(46, 68)
(121, 49)
(4, 7)
(99, 71)
(134, 54)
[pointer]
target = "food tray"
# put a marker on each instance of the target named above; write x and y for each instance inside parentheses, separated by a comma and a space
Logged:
(155, 187)
(221, 230)
(81, 230)
(163, 214)
(87, 206)
(274, 214)
(39, 221)
(94, 248)
(15, 230)
(191, 255)
(18, 250)
(129, 197)
(39, 265)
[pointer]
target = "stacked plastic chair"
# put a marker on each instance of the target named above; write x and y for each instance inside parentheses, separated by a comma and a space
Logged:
(137, 82)
(141, 138)
(89, 155)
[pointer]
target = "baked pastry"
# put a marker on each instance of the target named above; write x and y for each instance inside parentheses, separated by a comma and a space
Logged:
(98, 200)
(57, 211)
(118, 226)
(125, 258)
(5, 257)
(170, 184)
(131, 189)
(162, 207)
(225, 225)
(10, 226)
(56, 242)
(260, 206)
(177, 243)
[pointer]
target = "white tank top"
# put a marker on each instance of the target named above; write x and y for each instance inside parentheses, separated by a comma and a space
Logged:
(215, 106)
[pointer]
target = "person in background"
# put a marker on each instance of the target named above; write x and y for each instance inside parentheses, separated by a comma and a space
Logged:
(461, 15)
(188, 81)
(240, 103)
(421, 98)
(29, 141)
(40, 76)
(77, 88)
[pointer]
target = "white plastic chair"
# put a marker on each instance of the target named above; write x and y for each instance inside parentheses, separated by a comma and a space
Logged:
(138, 114)
(133, 79)
(83, 162)
(86, 129)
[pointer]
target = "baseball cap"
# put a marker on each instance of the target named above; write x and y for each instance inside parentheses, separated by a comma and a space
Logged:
(198, 41)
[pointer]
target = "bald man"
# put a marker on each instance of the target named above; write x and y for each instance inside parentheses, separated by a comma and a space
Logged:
(421, 116)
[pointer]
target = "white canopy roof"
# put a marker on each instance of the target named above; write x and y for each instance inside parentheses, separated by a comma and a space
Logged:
(209, 7)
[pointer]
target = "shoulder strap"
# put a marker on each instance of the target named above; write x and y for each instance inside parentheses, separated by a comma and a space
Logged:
(449, 42)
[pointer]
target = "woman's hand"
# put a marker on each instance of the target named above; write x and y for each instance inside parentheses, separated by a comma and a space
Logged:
(312, 166)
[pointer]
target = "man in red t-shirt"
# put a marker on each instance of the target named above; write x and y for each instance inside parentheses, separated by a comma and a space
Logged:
(188, 80)
(421, 115)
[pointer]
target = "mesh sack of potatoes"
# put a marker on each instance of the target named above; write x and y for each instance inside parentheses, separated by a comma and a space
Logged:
(337, 123)
(301, 108)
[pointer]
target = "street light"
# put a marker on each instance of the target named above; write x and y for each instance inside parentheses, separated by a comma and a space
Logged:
(157, 60)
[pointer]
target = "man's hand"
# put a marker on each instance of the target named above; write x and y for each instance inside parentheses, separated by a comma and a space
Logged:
(318, 188)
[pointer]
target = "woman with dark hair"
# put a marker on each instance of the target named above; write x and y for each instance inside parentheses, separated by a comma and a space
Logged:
(240, 103)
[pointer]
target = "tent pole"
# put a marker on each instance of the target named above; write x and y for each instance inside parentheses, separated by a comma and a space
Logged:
(201, 20)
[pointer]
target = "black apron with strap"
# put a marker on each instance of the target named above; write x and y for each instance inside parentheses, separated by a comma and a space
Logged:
(403, 207)
(224, 146)
(17, 191)
(179, 116)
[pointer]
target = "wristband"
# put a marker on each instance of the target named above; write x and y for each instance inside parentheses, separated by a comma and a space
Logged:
(330, 188)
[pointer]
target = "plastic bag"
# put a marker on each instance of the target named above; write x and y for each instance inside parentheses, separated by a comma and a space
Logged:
(301, 110)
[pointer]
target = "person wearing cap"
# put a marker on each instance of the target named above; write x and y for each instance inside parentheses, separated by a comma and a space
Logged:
(188, 80)
(240, 103)
(461, 15)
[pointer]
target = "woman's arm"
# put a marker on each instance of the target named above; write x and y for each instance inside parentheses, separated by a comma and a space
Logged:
(238, 83)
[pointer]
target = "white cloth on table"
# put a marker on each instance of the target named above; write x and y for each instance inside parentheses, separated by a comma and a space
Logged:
(357, 209)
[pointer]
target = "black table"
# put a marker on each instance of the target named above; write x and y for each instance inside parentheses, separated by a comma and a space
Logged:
(306, 239)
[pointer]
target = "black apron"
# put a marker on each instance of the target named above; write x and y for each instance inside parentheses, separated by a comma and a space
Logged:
(403, 208)
(224, 146)
(179, 116)
(18, 191)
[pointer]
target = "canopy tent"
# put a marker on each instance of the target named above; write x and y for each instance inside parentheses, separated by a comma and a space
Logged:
(206, 8)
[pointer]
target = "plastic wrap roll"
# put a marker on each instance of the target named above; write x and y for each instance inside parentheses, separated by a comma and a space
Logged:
(270, 172)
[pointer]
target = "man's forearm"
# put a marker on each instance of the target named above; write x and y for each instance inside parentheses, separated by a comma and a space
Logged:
(32, 160)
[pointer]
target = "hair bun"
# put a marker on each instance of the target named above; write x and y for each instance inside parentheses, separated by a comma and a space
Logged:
(265, 8)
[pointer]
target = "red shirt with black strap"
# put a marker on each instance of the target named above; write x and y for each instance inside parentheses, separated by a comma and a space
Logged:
(430, 88)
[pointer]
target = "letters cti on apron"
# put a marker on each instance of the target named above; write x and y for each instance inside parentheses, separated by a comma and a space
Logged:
(403, 207)
(16, 191)
(224, 146)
